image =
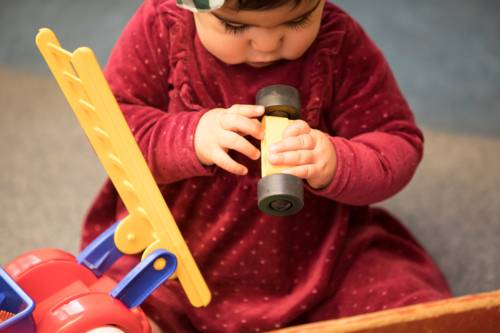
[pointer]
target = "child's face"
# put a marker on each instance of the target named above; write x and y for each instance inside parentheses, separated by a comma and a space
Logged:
(260, 37)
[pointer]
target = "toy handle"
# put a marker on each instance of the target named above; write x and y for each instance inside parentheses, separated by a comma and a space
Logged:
(101, 253)
(148, 275)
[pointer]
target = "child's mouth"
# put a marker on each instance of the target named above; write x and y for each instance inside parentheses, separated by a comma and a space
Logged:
(260, 63)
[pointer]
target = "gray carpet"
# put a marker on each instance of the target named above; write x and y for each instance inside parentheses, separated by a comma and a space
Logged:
(446, 55)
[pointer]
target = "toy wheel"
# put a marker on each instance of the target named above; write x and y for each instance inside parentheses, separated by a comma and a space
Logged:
(280, 101)
(92, 311)
(280, 194)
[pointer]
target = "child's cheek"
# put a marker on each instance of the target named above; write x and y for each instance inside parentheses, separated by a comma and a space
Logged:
(227, 48)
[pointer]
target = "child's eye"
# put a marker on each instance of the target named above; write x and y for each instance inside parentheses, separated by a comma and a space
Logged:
(234, 28)
(300, 23)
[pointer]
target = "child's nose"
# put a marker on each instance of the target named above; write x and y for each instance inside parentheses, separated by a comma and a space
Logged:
(266, 40)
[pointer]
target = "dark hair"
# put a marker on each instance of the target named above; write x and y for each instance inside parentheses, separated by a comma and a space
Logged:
(260, 4)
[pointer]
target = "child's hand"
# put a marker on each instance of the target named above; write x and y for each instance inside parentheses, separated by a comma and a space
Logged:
(308, 152)
(222, 129)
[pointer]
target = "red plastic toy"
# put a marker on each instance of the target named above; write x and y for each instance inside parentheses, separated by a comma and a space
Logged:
(71, 294)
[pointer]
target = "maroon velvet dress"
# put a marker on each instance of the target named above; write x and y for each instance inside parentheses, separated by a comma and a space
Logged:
(337, 257)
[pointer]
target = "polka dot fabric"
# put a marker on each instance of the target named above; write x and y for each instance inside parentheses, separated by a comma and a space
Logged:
(337, 257)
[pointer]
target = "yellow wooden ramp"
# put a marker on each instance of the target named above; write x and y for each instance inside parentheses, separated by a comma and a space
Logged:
(149, 225)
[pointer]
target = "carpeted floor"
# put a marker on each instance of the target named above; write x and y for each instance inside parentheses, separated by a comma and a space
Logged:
(445, 54)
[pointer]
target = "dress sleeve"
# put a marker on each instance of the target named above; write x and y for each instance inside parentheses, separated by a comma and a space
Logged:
(373, 130)
(138, 71)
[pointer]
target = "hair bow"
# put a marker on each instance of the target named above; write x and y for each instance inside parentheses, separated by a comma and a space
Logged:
(200, 5)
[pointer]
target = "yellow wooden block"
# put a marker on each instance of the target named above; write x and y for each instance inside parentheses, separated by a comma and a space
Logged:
(273, 132)
(150, 224)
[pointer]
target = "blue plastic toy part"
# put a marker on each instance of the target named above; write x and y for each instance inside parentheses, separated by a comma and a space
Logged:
(99, 255)
(141, 281)
(14, 300)
(148, 275)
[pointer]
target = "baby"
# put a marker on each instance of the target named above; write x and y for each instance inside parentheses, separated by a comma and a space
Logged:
(186, 82)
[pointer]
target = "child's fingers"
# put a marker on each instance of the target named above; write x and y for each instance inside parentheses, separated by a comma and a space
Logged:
(239, 123)
(297, 127)
(301, 171)
(231, 140)
(303, 141)
(224, 161)
(247, 110)
(292, 158)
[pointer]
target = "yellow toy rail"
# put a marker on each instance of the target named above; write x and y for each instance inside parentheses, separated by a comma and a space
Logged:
(149, 225)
